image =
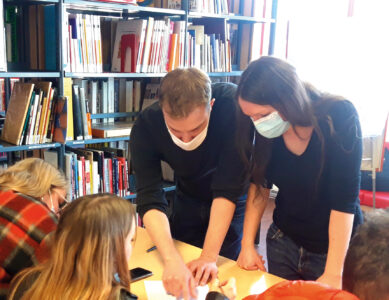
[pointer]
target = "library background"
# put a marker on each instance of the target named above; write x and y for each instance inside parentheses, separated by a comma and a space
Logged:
(75, 73)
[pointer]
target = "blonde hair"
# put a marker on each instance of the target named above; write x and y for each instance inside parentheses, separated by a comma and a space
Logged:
(183, 90)
(33, 177)
(88, 249)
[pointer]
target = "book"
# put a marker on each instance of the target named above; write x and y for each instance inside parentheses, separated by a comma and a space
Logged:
(125, 27)
(51, 157)
(84, 118)
(67, 91)
(174, 4)
(33, 36)
(3, 54)
(50, 36)
(61, 120)
(26, 122)
(40, 15)
(106, 130)
(16, 112)
(151, 95)
(78, 128)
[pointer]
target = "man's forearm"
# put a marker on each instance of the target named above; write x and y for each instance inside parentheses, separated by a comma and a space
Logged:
(222, 211)
(157, 226)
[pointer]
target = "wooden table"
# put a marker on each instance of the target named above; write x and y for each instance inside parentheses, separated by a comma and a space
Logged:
(248, 282)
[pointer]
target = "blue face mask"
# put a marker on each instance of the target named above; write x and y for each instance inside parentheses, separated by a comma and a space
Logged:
(271, 126)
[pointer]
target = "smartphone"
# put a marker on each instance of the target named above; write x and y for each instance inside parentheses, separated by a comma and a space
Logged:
(139, 273)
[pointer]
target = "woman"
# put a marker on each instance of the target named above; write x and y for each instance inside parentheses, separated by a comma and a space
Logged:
(90, 253)
(31, 192)
(309, 145)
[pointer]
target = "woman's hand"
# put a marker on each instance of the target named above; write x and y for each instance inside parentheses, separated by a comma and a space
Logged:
(334, 281)
(249, 259)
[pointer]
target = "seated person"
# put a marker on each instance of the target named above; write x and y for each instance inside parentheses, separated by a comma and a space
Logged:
(366, 268)
(30, 194)
(90, 253)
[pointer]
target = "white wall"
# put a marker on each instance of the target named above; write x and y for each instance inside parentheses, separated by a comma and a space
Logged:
(344, 55)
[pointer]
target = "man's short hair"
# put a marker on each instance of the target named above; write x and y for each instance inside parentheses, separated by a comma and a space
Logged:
(182, 90)
(366, 267)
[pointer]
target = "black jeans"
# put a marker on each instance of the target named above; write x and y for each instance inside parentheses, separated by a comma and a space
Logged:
(189, 223)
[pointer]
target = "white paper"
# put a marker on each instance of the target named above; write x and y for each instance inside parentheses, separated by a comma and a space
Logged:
(156, 291)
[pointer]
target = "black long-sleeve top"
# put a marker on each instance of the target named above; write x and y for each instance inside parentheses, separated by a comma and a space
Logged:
(304, 202)
(212, 170)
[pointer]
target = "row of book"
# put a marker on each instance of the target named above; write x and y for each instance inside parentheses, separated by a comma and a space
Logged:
(35, 115)
(209, 52)
(73, 119)
(31, 35)
(145, 45)
(209, 6)
(30, 114)
(94, 170)
(82, 43)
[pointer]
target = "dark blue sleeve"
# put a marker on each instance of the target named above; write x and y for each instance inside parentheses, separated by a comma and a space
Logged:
(146, 164)
(230, 180)
(345, 155)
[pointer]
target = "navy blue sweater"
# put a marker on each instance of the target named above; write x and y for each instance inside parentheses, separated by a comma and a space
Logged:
(212, 170)
(304, 200)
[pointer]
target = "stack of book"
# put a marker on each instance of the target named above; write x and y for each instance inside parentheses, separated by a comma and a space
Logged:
(30, 117)
(209, 6)
(93, 170)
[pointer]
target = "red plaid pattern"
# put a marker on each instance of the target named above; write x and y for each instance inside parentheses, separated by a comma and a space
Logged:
(24, 223)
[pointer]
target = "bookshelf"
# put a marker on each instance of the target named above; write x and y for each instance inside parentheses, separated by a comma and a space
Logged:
(23, 69)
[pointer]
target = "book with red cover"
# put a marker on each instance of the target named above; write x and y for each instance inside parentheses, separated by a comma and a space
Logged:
(129, 47)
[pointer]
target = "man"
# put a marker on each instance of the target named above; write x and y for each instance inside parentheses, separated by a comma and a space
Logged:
(192, 128)
(366, 267)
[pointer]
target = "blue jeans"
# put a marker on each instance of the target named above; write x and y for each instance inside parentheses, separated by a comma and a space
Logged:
(290, 261)
(189, 224)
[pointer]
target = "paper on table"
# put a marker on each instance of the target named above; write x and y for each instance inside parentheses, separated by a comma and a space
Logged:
(156, 291)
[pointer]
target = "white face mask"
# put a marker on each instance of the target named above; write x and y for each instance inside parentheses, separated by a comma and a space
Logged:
(193, 144)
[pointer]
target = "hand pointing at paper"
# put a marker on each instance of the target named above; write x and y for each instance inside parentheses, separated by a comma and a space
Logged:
(178, 280)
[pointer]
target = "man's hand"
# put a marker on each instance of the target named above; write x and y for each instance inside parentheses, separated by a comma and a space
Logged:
(203, 269)
(178, 280)
(249, 259)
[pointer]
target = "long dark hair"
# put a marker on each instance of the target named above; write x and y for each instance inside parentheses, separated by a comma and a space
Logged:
(272, 81)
